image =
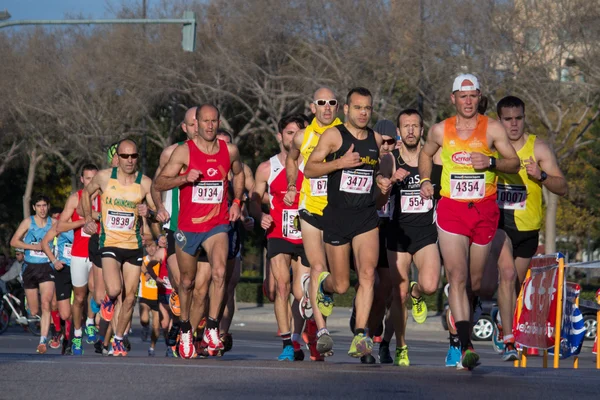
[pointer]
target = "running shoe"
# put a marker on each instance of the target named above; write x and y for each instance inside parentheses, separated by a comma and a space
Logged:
(43, 346)
(298, 353)
(66, 347)
(119, 348)
(145, 333)
(324, 300)
(199, 332)
(90, 332)
(287, 354)
(468, 360)
(497, 335)
(305, 307)
(77, 348)
(453, 356)
(173, 334)
(324, 343)
(174, 304)
(367, 359)
(150, 352)
(55, 341)
(186, 345)
(401, 358)
(107, 309)
(361, 346)
(384, 354)
(211, 341)
(171, 352)
(97, 346)
(227, 341)
(510, 353)
(127, 343)
(419, 308)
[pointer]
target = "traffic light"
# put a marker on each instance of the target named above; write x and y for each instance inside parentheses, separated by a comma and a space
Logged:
(189, 32)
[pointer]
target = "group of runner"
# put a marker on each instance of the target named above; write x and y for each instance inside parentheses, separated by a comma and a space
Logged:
(468, 198)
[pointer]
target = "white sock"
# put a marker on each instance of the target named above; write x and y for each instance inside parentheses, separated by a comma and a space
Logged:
(89, 321)
(118, 337)
(78, 332)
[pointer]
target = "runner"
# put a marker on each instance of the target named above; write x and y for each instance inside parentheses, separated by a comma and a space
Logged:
(82, 276)
(168, 214)
(520, 202)
(38, 275)
(349, 155)
(284, 246)
(313, 199)
(61, 263)
(122, 191)
(148, 295)
(467, 214)
(412, 234)
(203, 218)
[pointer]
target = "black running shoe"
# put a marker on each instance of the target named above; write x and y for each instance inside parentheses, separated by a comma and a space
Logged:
(384, 354)
(172, 336)
(98, 347)
(66, 348)
(126, 343)
(367, 359)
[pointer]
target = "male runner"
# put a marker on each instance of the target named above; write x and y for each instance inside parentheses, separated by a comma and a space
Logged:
(467, 214)
(313, 199)
(203, 218)
(81, 265)
(122, 190)
(349, 155)
(38, 275)
(284, 241)
(520, 202)
(412, 234)
(168, 214)
(148, 294)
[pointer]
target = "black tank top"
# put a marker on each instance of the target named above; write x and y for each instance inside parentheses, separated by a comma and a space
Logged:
(354, 188)
(407, 205)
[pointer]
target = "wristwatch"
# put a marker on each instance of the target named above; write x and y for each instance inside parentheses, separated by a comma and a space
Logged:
(543, 176)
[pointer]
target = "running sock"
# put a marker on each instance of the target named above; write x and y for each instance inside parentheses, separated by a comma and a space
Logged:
(464, 334)
(68, 324)
(359, 331)
(56, 320)
(78, 333)
(118, 338)
(509, 338)
(185, 326)
(295, 337)
(212, 323)
(454, 340)
(89, 321)
(287, 339)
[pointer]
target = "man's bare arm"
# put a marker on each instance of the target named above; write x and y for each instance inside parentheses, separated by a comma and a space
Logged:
(169, 176)
(64, 223)
(328, 143)
(292, 159)
(555, 182)
(260, 188)
(17, 238)
(164, 159)
(431, 147)
(237, 171)
(509, 161)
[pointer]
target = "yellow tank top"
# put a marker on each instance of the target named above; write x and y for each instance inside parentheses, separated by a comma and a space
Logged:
(148, 289)
(520, 198)
(313, 194)
(460, 181)
(120, 225)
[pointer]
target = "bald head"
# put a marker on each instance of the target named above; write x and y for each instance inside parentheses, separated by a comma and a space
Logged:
(189, 124)
(126, 144)
(207, 108)
(324, 106)
(323, 93)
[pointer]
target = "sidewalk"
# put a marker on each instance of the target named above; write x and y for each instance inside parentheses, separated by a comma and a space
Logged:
(249, 313)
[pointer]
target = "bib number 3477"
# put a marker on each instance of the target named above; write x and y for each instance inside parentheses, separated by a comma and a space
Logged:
(357, 181)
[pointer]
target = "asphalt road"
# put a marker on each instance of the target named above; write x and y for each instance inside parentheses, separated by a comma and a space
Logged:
(250, 370)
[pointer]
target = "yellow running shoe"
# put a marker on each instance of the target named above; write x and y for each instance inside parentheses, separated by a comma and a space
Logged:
(419, 308)
(361, 345)
(324, 300)
(401, 359)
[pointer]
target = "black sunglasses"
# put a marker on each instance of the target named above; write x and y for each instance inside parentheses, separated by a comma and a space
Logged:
(389, 141)
(127, 156)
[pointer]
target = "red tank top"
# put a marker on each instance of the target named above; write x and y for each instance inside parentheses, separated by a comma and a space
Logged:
(203, 204)
(283, 215)
(80, 238)
(163, 273)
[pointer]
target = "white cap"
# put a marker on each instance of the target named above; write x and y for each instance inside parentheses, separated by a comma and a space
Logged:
(465, 82)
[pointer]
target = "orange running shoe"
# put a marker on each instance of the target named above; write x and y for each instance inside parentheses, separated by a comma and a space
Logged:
(107, 309)
(174, 304)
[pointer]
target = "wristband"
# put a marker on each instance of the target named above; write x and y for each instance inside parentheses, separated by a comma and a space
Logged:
(422, 181)
(492, 163)
(238, 202)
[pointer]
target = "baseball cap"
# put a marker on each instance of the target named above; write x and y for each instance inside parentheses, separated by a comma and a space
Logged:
(465, 82)
(385, 127)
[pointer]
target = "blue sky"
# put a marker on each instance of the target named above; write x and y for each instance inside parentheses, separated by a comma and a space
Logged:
(59, 9)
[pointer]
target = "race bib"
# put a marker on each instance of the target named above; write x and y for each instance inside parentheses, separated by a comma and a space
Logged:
(512, 197)
(208, 192)
(384, 212)
(37, 253)
(467, 186)
(357, 181)
(167, 282)
(288, 228)
(119, 220)
(67, 251)
(150, 283)
(411, 202)
(318, 186)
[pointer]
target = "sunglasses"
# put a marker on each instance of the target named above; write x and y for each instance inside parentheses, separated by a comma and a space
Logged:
(389, 141)
(127, 156)
(332, 102)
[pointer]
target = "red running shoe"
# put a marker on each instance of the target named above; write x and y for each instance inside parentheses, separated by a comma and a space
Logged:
(186, 345)
(212, 342)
